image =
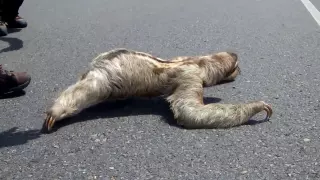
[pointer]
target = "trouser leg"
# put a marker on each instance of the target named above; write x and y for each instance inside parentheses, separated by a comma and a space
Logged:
(9, 13)
(10, 8)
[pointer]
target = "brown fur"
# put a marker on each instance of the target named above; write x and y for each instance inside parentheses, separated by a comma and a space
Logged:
(122, 73)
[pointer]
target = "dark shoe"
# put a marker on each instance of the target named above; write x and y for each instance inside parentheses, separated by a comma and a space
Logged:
(17, 22)
(3, 29)
(11, 81)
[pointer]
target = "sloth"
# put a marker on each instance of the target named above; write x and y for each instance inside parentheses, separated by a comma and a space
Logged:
(124, 73)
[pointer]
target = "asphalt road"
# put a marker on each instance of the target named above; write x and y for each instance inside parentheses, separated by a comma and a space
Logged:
(278, 46)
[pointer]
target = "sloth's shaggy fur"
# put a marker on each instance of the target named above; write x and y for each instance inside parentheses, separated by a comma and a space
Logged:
(123, 73)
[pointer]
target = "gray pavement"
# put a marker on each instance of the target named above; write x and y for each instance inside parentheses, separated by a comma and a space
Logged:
(278, 46)
(316, 3)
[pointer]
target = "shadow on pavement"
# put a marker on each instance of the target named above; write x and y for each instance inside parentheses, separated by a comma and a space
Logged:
(129, 107)
(13, 30)
(14, 44)
(12, 137)
(252, 122)
(13, 94)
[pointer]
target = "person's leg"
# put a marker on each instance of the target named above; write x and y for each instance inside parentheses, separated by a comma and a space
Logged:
(10, 13)
(11, 81)
(3, 28)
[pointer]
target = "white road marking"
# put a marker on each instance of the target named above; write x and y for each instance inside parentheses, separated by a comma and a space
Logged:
(313, 10)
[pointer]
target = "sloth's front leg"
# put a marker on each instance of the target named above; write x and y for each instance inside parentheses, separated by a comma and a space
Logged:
(189, 110)
(224, 115)
(91, 89)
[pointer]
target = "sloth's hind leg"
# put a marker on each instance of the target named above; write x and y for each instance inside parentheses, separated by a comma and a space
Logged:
(92, 88)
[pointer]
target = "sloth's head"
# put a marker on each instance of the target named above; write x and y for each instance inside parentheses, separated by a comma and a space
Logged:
(229, 63)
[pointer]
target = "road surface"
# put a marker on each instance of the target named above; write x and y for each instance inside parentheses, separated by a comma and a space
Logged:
(278, 47)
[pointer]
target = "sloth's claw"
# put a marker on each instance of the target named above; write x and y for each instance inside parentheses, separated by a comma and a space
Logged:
(269, 111)
(48, 124)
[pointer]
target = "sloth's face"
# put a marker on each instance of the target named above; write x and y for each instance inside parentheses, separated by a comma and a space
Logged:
(231, 68)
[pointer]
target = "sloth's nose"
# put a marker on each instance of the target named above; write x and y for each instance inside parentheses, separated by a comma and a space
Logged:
(234, 55)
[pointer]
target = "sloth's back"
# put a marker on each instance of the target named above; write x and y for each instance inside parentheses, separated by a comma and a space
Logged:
(135, 74)
(132, 75)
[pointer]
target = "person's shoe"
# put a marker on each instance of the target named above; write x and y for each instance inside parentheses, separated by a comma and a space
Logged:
(17, 22)
(11, 81)
(3, 29)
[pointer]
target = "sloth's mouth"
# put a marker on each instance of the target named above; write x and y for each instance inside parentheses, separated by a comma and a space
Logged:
(236, 69)
(232, 74)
